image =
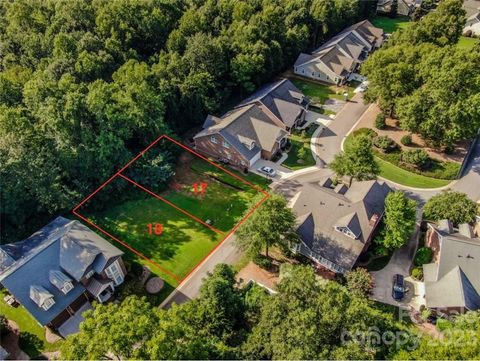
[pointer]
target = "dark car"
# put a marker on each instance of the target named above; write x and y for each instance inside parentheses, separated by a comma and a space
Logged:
(398, 287)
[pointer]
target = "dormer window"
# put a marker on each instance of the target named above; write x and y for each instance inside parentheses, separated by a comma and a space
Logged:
(345, 231)
(89, 274)
(226, 145)
(213, 139)
(49, 302)
(67, 287)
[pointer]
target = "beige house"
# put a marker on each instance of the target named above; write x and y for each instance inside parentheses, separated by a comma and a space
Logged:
(338, 59)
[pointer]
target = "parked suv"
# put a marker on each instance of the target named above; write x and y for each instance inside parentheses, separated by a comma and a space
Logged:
(398, 287)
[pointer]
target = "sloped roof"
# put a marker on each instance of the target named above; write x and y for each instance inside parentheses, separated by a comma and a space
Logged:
(53, 248)
(245, 126)
(96, 286)
(39, 294)
(58, 278)
(457, 267)
(281, 98)
(320, 209)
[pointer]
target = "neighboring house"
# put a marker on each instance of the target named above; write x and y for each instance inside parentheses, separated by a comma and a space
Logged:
(282, 102)
(57, 271)
(241, 137)
(404, 7)
(336, 223)
(452, 280)
(472, 26)
(338, 59)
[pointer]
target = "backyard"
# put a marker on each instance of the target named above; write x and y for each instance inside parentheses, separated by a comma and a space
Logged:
(390, 25)
(158, 227)
(300, 140)
(32, 335)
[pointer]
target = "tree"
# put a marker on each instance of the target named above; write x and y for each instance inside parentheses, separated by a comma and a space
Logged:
(417, 157)
(357, 161)
(460, 341)
(308, 319)
(273, 223)
(359, 282)
(399, 219)
(302, 153)
(451, 205)
(117, 329)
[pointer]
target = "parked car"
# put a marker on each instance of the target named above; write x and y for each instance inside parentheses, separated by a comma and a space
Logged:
(363, 86)
(398, 287)
(268, 171)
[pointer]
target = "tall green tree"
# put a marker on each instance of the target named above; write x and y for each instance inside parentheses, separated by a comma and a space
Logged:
(451, 205)
(399, 219)
(357, 160)
(272, 224)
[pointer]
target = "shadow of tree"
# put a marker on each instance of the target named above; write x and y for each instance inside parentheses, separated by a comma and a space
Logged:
(31, 344)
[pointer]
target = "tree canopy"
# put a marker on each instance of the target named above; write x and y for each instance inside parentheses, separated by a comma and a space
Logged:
(399, 219)
(451, 205)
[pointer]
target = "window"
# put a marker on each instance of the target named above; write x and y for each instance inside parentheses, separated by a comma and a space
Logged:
(67, 287)
(229, 156)
(89, 274)
(226, 145)
(49, 302)
(213, 139)
(115, 273)
(313, 73)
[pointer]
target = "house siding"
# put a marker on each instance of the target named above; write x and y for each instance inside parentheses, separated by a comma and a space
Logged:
(317, 71)
(216, 150)
(432, 240)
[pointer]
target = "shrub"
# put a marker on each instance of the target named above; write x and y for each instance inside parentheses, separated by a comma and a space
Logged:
(418, 158)
(423, 255)
(262, 261)
(380, 121)
(417, 273)
(359, 282)
(406, 140)
(302, 153)
(365, 131)
(443, 324)
(384, 143)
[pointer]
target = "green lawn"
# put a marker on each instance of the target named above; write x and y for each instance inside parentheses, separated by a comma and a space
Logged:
(300, 140)
(319, 93)
(467, 43)
(404, 177)
(390, 25)
(33, 340)
(183, 242)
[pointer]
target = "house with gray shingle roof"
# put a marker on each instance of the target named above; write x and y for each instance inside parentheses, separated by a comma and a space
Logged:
(51, 272)
(452, 280)
(472, 25)
(337, 60)
(336, 223)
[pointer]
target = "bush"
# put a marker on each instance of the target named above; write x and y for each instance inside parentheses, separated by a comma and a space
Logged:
(380, 121)
(406, 140)
(359, 282)
(365, 131)
(302, 153)
(262, 261)
(417, 273)
(3, 325)
(384, 143)
(443, 324)
(418, 158)
(423, 256)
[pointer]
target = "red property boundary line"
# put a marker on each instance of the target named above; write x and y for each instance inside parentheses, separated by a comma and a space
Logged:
(119, 173)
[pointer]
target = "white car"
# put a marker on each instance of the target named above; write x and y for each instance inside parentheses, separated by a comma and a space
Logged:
(268, 171)
(363, 86)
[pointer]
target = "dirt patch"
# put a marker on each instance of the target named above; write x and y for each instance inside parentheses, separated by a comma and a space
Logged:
(394, 132)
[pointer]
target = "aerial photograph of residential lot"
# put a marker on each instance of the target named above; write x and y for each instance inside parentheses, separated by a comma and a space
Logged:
(240, 179)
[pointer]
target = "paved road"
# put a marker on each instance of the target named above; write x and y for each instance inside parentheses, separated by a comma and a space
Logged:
(331, 138)
(225, 253)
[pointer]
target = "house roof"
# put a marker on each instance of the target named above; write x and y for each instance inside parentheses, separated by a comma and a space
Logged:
(341, 52)
(282, 98)
(319, 209)
(457, 267)
(41, 259)
(244, 127)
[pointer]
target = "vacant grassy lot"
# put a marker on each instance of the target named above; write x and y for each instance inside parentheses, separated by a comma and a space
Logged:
(299, 140)
(319, 93)
(390, 25)
(33, 340)
(183, 242)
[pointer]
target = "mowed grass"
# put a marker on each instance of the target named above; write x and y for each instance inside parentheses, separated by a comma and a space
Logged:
(467, 43)
(406, 178)
(319, 93)
(390, 25)
(298, 141)
(33, 335)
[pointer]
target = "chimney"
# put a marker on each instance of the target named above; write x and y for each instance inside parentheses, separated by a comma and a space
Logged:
(445, 225)
(466, 230)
